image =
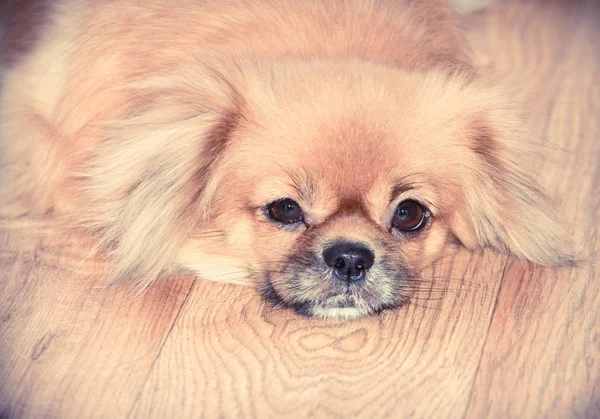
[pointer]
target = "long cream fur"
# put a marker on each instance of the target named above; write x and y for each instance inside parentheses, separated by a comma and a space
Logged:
(120, 120)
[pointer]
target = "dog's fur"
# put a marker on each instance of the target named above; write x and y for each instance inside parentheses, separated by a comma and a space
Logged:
(166, 128)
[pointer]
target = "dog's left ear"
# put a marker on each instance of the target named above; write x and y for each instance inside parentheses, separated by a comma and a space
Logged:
(149, 182)
(504, 208)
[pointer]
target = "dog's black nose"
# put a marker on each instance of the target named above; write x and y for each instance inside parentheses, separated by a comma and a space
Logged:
(349, 261)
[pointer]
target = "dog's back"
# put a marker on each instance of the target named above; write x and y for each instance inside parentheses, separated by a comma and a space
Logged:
(63, 61)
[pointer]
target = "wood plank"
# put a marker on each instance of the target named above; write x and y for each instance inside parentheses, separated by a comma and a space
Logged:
(542, 356)
(73, 347)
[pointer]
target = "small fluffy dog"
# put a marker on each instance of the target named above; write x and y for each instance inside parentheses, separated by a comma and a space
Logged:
(325, 151)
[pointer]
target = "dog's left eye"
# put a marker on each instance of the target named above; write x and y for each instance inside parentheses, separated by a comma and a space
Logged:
(286, 211)
(409, 216)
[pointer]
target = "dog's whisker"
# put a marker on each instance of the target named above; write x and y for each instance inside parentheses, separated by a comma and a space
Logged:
(419, 305)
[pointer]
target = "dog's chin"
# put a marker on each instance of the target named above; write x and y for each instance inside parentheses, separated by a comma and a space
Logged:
(326, 310)
(339, 308)
(342, 305)
(345, 313)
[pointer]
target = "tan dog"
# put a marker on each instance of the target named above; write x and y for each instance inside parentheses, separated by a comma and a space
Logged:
(324, 151)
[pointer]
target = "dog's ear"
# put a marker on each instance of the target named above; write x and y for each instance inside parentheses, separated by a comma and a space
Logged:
(504, 208)
(149, 181)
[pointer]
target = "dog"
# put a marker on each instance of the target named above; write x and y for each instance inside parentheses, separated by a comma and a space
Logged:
(324, 152)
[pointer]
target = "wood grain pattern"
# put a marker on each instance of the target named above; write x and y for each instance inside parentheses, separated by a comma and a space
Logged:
(71, 345)
(543, 348)
(486, 337)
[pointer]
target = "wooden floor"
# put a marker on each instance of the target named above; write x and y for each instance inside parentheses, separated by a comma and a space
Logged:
(491, 337)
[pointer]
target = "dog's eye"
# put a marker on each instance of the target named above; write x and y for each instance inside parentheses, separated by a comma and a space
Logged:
(286, 211)
(409, 216)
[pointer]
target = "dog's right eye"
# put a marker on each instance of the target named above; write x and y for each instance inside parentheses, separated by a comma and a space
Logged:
(285, 211)
(409, 216)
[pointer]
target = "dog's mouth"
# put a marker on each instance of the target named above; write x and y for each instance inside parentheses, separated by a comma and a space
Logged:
(348, 303)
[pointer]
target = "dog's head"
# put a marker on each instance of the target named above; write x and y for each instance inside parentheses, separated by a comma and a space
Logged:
(331, 186)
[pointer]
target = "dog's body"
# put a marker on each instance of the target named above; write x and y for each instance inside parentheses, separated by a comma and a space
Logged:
(189, 133)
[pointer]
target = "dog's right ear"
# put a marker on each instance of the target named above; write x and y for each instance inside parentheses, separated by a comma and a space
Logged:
(505, 207)
(150, 180)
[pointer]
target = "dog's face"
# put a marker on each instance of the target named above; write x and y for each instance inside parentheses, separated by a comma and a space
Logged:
(335, 190)
(341, 200)
(340, 223)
